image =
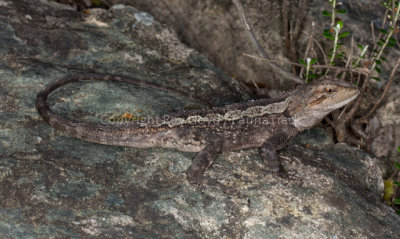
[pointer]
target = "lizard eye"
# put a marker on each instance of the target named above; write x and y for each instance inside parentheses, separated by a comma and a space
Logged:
(329, 90)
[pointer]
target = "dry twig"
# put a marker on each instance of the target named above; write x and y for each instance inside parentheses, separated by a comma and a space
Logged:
(260, 50)
(387, 87)
(337, 68)
(309, 44)
(299, 18)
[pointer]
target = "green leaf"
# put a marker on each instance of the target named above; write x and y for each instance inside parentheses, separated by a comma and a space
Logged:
(376, 78)
(340, 55)
(326, 13)
(328, 35)
(391, 44)
(396, 201)
(302, 62)
(383, 31)
(383, 58)
(340, 23)
(398, 149)
(313, 61)
(341, 11)
(360, 46)
(392, 40)
(344, 34)
(397, 164)
(312, 76)
(379, 43)
(378, 62)
(396, 183)
(378, 69)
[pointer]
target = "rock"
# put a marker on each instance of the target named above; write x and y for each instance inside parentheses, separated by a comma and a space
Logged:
(385, 127)
(196, 22)
(55, 186)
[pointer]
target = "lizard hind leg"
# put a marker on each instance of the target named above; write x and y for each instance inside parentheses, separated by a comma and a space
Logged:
(271, 159)
(269, 155)
(202, 161)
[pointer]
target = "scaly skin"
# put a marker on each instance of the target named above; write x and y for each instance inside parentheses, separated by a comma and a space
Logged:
(268, 124)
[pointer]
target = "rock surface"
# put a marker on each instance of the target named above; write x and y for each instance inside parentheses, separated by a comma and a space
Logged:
(54, 186)
(214, 28)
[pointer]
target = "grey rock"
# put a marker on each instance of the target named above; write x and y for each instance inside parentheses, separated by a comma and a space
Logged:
(52, 186)
(197, 22)
(387, 129)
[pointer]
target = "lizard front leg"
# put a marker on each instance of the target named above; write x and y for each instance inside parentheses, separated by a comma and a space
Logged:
(269, 155)
(202, 161)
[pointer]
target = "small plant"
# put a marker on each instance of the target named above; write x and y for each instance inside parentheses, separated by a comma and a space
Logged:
(308, 63)
(391, 194)
(367, 65)
(334, 33)
(370, 60)
(361, 69)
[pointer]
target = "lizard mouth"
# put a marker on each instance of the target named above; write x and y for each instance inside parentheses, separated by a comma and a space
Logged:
(346, 101)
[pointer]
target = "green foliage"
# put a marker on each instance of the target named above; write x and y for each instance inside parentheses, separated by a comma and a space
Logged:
(397, 165)
(328, 34)
(389, 191)
(383, 31)
(326, 13)
(308, 63)
(392, 187)
(336, 35)
(341, 11)
(344, 34)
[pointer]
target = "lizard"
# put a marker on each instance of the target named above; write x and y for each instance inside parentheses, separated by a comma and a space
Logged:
(268, 124)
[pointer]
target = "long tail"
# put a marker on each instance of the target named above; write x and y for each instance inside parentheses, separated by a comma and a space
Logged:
(97, 132)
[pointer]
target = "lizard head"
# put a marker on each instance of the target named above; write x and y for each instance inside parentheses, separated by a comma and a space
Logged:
(312, 102)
